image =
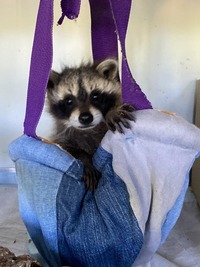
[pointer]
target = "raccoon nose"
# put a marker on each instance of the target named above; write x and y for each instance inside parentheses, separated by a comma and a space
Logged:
(85, 118)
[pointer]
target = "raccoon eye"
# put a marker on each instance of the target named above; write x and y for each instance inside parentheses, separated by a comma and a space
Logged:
(95, 97)
(68, 101)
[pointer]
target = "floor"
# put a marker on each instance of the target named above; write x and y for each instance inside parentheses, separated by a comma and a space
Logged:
(182, 247)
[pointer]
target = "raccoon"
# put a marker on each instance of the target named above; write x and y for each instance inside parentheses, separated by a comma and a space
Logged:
(85, 102)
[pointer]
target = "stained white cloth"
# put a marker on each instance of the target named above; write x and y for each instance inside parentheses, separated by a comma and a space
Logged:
(154, 158)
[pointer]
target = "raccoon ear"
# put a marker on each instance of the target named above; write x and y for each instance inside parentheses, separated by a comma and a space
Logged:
(53, 80)
(109, 69)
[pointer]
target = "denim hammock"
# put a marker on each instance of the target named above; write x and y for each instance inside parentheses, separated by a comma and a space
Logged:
(145, 172)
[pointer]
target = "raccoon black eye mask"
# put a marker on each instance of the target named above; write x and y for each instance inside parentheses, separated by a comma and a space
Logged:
(85, 102)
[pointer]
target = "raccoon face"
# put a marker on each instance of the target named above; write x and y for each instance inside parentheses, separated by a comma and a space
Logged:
(81, 97)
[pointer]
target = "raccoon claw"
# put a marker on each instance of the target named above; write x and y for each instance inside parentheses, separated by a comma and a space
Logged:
(120, 116)
(126, 112)
(91, 177)
(128, 107)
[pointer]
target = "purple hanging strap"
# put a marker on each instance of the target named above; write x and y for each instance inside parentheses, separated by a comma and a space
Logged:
(41, 62)
(107, 17)
(104, 37)
(131, 92)
(70, 9)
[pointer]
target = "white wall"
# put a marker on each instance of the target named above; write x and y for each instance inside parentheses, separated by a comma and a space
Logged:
(164, 52)
(163, 46)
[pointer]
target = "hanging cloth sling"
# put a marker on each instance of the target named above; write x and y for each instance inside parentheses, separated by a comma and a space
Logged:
(145, 172)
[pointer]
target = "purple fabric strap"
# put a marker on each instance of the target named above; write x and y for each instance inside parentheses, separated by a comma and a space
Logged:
(70, 9)
(104, 37)
(41, 62)
(131, 92)
(108, 17)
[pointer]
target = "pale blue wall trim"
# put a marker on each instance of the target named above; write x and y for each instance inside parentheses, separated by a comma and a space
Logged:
(7, 176)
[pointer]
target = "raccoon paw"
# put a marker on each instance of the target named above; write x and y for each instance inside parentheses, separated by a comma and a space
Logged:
(91, 177)
(120, 116)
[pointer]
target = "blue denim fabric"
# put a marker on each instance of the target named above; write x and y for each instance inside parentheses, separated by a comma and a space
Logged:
(40, 168)
(100, 228)
(66, 223)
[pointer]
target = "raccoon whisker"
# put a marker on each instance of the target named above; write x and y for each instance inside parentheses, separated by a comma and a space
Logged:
(86, 127)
